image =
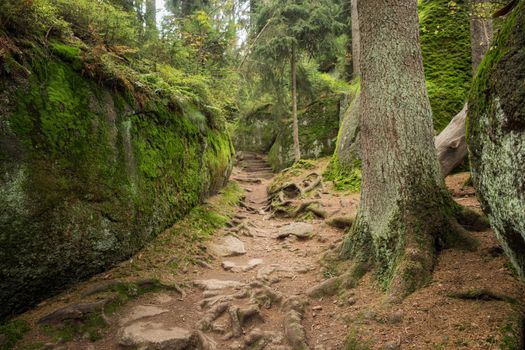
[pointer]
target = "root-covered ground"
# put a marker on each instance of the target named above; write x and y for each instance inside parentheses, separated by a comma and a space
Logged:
(260, 282)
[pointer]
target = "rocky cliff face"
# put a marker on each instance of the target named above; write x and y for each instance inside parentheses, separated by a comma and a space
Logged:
(88, 175)
(496, 136)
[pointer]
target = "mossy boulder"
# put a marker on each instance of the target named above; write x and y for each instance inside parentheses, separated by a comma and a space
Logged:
(88, 175)
(445, 45)
(257, 131)
(318, 127)
(496, 136)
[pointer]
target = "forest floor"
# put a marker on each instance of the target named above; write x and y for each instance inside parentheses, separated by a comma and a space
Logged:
(256, 296)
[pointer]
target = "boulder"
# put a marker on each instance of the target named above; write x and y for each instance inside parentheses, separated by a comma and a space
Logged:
(227, 246)
(496, 136)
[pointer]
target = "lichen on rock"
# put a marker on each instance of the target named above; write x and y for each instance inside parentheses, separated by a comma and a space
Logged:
(496, 136)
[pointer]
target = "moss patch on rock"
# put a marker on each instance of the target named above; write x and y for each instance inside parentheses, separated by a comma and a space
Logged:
(496, 136)
(445, 44)
(88, 175)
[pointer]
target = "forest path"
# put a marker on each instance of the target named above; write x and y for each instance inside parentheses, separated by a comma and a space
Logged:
(254, 292)
(252, 296)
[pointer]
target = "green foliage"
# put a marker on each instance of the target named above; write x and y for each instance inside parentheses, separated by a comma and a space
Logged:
(11, 332)
(312, 83)
(445, 44)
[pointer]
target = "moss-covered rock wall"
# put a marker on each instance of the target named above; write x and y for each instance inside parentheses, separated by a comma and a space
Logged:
(257, 131)
(318, 126)
(88, 175)
(445, 44)
(496, 136)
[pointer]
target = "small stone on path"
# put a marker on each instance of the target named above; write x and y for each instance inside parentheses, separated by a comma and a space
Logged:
(154, 336)
(228, 246)
(300, 230)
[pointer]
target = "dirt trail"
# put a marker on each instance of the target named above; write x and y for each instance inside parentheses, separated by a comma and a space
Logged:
(256, 297)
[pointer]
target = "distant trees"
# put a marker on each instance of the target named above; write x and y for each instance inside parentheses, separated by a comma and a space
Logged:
(286, 29)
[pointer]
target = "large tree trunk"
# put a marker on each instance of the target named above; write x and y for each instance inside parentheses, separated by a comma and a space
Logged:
(296, 146)
(356, 39)
(450, 143)
(404, 209)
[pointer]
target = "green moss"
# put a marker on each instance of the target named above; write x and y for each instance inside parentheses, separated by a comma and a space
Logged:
(96, 180)
(70, 54)
(512, 334)
(344, 180)
(445, 44)
(11, 332)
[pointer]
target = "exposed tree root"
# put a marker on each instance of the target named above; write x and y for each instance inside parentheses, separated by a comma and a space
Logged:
(212, 314)
(75, 312)
(341, 222)
(332, 285)
(482, 294)
(202, 342)
(149, 283)
(293, 328)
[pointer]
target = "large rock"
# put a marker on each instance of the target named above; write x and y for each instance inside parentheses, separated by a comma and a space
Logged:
(227, 246)
(256, 131)
(301, 230)
(318, 127)
(154, 336)
(496, 136)
(87, 178)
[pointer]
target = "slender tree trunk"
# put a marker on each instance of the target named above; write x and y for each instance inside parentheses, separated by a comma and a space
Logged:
(451, 145)
(151, 19)
(404, 208)
(356, 39)
(296, 146)
(481, 33)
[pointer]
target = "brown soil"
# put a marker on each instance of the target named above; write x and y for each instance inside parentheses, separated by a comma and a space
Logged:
(428, 319)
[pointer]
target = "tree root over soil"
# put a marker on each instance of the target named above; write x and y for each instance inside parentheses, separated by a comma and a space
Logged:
(404, 258)
(253, 297)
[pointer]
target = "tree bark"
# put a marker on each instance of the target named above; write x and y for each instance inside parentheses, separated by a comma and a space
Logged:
(296, 146)
(151, 19)
(481, 33)
(451, 145)
(404, 206)
(356, 39)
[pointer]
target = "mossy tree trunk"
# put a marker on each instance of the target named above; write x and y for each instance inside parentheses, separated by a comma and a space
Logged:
(296, 146)
(356, 38)
(405, 209)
